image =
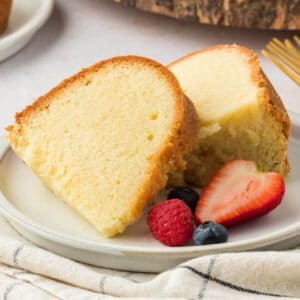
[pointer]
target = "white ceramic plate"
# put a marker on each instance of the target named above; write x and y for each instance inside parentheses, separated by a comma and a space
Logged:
(27, 16)
(48, 222)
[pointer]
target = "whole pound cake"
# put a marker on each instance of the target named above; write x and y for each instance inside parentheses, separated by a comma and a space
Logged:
(105, 139)
(240, 113)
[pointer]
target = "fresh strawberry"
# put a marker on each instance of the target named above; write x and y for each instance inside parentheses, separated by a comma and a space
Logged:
(239, 192)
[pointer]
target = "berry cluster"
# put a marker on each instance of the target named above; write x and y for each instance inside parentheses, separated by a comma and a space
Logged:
(172, 222)
(237, 193)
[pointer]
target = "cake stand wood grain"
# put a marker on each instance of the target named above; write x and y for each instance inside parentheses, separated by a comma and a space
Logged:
(262, 14)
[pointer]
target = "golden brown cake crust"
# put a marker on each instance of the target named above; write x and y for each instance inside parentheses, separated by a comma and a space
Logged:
(185, 116)
(169, 156)
(258, 76)
(5, 7)
(270, 99)
(267, 97)
(276, 108)
(276, 102)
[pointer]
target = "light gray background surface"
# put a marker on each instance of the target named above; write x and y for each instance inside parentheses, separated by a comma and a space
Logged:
(80, 33)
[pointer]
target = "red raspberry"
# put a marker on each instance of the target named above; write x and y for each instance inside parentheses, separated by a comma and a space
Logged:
(171, 222)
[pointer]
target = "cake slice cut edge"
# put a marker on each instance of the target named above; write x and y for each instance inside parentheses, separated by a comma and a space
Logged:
(105, 139)
(241, 115)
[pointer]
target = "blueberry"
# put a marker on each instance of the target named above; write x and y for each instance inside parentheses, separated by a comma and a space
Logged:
(210, 233)
(187, 195)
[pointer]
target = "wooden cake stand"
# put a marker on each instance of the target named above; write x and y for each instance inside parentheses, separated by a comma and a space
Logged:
(262, 14)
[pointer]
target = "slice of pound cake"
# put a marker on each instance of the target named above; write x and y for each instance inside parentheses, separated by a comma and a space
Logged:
(240, 113)
(105, 139)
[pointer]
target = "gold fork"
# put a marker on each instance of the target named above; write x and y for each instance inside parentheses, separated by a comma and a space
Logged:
(286, 56)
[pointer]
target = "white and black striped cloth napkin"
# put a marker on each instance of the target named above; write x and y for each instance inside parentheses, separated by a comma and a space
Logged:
(28, 272)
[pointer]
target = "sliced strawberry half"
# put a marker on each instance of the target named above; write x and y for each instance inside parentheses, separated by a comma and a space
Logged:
(239, 192)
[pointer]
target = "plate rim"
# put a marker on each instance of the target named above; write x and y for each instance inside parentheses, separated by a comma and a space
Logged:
(37, 19)
(12, 213)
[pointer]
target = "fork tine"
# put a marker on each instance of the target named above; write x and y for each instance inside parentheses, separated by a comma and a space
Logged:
(294, 65)
(297, 40)
(279, 52)
(291, 47)
(284, 48)
(281, 66)
(278, 43)
(285, 55)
